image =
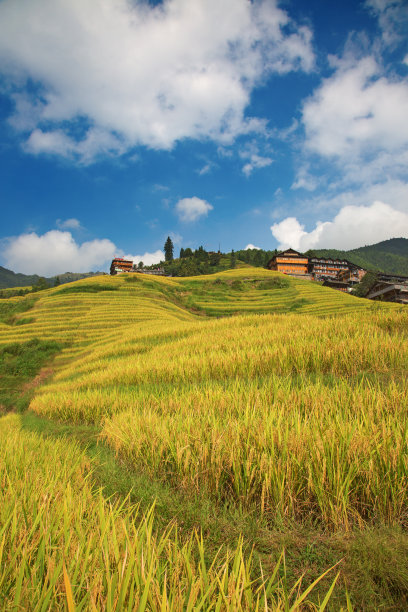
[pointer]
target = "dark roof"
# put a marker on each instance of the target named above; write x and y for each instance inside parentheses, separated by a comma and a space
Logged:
(291, 251)
(349, 263)
(392, 277)
(334, 283)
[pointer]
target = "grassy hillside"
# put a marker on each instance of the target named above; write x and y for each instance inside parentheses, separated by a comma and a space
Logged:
(267, 413)
(389, 256)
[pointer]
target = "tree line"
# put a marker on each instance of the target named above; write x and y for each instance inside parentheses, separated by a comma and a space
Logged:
(194, 262)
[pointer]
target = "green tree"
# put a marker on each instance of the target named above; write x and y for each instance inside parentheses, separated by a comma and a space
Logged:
(367, 282)
(57, 281)
(233, 259)
(182, 254)
(140, 265)
(40, 285)
(215, 259)
(168, 249)
(259, 258)
(201, 254)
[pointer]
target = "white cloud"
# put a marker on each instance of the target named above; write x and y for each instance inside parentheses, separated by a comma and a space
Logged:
(356, 124)
(305, 180)
(96, 142)
(352, 227)
(68, 224)
(176, 238)
(355, 149)
(252, 246)
(392, 18)
(251, 153)
(205, 169)
(148, 258)
(141, 74)
(191, 209)
(357, 112)
(288, 233)
(255, 162)
(392, 191)
(55, 252)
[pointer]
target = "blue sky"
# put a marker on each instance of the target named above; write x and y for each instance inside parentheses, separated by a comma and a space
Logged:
(217, 122)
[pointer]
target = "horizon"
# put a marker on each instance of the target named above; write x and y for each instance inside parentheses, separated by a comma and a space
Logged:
(285, 126)
(222, 253)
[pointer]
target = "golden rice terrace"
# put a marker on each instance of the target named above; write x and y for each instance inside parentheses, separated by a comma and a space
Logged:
(265, 418)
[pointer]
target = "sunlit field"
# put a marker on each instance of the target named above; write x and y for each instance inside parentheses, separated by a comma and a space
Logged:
(259, 413)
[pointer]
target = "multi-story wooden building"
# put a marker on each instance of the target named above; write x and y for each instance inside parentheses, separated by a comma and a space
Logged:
(322, 267)
(390, 288)
(121, 265)
(290, 262)
(316, 268)
(353, 274)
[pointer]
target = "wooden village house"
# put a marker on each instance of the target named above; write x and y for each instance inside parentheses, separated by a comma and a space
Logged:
(290, 262)
(337, 273)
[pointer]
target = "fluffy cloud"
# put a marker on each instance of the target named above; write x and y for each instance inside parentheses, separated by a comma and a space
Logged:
(56, 252)
(353, 226)
(95, 143)
(256, 161)
(392, 18)
(252, 246)
(357, 112)
(141, 74)
(148, 258)
(191, 209)
(392, 191)
(68, 224)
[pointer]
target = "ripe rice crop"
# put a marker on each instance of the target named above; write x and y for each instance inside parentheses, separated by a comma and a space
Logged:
(281, 412)
(63, 546)
(273, 396)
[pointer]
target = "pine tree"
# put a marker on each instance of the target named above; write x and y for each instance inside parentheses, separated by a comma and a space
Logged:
(233, 259)
(168, 249)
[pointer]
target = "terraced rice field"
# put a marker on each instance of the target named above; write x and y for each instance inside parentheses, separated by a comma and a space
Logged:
(248, 405)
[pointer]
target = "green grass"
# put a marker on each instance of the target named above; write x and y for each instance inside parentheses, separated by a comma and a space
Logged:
(10, 309)
(85, 288)
(19, 363)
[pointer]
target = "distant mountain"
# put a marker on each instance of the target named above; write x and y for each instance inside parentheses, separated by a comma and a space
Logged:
(10, 279)
(389, 256)
(69, 277)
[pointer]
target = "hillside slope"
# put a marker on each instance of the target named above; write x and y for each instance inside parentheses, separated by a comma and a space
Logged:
(389, 256)
(262, 411)
(95, 307)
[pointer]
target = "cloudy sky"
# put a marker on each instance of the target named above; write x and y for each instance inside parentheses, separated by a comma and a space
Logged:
(217, 122)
